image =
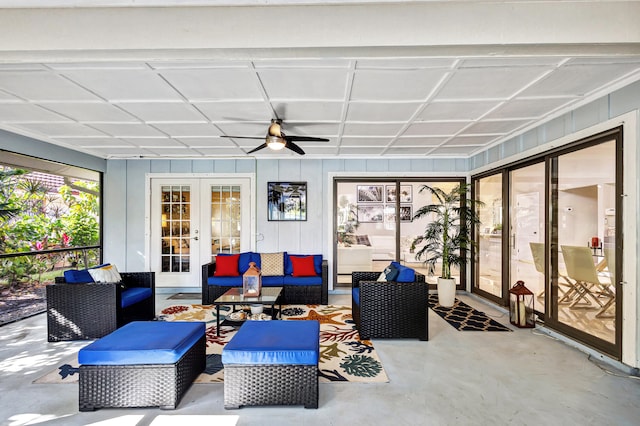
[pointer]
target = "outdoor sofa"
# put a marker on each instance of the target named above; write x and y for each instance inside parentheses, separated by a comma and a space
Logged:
(307, 285)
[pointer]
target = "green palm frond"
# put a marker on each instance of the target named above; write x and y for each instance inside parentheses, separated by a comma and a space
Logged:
(447, 235)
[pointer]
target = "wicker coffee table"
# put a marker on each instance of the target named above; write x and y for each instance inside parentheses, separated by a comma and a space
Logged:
(268, 296)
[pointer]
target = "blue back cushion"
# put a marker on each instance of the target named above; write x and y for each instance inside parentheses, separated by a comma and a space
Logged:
(405, 274)
(288, 265)
(79, 276)
(391, 272)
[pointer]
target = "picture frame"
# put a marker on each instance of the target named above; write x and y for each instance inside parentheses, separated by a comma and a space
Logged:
(390, 193)
(370, 193)
(287, 201)
(373, 213)
(406, 213)
(406, 194)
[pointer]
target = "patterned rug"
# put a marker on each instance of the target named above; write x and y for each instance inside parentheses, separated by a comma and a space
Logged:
(464, 318)
(343, 356)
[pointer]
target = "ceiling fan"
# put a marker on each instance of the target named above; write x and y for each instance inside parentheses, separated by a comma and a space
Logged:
(277, 140)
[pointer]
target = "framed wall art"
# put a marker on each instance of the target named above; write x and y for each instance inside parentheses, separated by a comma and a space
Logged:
(287, 201)
(370, 213)
(370, 193)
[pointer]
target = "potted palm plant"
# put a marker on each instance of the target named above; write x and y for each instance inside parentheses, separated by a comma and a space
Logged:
(447, 235)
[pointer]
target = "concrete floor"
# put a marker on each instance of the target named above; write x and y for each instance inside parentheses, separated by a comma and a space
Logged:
(457, 378)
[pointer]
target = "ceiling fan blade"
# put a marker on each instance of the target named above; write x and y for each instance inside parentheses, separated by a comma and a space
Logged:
(295, 148)
(305, 139)
(242, 137)
(264, 145)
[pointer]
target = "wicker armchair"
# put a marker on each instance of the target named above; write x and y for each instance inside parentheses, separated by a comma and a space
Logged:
(89, 311)
(390, 309)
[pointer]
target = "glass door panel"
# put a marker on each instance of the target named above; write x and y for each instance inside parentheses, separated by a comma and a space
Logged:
(489, 191)
(526, 229)
(176, 228)
(225, 219)
(586, 240)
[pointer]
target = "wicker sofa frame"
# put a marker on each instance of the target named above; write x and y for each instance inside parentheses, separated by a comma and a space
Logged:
(286, 385)
(150, 385)
(90, 311)
(291, 294)
(390, 309)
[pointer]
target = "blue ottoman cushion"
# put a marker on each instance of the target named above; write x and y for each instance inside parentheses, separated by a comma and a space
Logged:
(143, 342)
(274, 343)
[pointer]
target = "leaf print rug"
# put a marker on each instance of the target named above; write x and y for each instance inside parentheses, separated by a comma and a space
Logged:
(343, 356)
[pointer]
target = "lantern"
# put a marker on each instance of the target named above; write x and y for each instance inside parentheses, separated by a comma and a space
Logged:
(521, 312)
(252, 281)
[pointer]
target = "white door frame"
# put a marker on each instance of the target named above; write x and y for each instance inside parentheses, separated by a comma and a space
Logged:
(224, 179)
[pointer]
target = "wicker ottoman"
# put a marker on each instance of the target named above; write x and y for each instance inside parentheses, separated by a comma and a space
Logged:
(142, 364)
(272, 363)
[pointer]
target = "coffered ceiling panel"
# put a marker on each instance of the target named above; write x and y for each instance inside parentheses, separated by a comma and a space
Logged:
(366, 107)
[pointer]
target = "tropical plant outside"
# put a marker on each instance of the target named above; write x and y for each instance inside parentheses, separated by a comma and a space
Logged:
(447, 236)
(35, 218)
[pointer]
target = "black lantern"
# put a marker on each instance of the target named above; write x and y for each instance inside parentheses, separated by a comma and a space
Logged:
(521, 312)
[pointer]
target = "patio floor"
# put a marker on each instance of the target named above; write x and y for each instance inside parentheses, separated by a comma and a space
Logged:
(525, 378)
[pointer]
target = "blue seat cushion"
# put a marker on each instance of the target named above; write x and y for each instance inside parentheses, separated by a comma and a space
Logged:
(405, 274)
(289, 280)
(274, 343)
(355, 294)
(134, 295)
(272, 281)
(143, 342)
(225, 281)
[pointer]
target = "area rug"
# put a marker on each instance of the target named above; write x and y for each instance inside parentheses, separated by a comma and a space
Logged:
(464, 318)
(343, 356)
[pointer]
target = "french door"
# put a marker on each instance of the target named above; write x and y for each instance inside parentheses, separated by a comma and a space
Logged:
(191, 220)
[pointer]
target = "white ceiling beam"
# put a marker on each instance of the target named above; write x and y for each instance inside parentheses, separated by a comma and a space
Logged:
(412, 29)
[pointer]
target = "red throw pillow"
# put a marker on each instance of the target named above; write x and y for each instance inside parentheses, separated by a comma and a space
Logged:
(303, 266)
(227, 266)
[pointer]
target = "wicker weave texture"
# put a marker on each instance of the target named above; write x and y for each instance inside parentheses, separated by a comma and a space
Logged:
(90, 311)
(291, 294)
(150, 385)
(391, 309)
(270, 385)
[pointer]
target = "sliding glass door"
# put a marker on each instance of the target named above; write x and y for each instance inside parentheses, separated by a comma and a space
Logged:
(561, 236)
(374, 225)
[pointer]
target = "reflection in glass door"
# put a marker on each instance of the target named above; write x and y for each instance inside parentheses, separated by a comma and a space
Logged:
(526, 230)
(585, 224)
(489, 258)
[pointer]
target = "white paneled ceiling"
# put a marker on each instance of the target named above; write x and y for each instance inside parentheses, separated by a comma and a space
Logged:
(175, 78)
(388, 106)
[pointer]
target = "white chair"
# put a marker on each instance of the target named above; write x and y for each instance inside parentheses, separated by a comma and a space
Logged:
(565, 285)
(589, 288)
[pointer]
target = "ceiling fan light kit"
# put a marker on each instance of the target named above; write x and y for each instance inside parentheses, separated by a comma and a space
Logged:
(275, 143)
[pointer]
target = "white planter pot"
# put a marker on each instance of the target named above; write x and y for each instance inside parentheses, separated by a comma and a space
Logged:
(446, 292)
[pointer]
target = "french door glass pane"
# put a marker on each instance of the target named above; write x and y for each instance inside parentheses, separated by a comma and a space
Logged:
(176, 228)
(586, 232)
(526, 230)
(225, 219)
(489, 191)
